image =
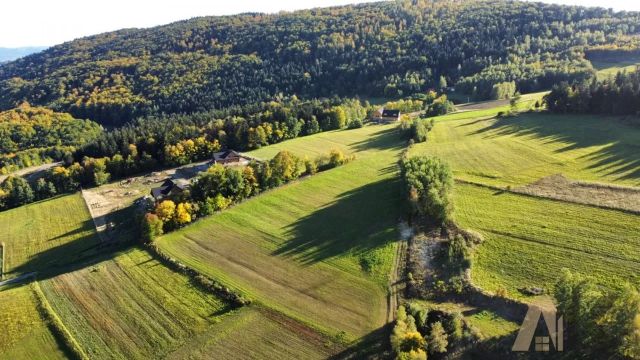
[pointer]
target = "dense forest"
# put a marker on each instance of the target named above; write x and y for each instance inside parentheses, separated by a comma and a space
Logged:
(619, 95)
(390, 49)
(34, 135)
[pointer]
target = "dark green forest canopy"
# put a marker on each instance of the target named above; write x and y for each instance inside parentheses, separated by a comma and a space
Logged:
(383, 49)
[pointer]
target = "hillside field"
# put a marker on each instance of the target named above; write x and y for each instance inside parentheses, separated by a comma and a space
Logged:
(25, 334)
(47, 235)
(528, 240)
(520, 150)
(319, 249)
(123, 305)
(608, 69)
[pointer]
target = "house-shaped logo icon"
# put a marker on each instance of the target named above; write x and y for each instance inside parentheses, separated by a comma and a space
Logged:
(527, 331)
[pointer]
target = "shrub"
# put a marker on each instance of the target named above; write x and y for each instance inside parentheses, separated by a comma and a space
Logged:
(151, 227)
(355, 124)
(501, 292)
(458, 252)
(336, 158)
(311, 166)
(455, 326)
(429, 182)
(437, 339)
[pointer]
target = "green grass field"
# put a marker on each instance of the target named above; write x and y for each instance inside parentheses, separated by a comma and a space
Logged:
(24, 333)
(519, 150)
(528, 239)
(130, 307)
(608, 69)
(47, 235)
(304, 249)
(253, 333)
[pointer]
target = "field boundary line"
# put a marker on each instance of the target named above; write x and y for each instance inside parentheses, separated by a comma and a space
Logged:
(56, 325)
(564, 201)
(202, 281)
(2, 260)
(395, 280)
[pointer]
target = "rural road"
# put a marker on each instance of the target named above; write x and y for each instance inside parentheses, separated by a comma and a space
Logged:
(18, 279)
(30, 170)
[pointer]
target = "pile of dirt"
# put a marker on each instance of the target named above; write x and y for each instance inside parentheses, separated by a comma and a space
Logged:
(602, 195)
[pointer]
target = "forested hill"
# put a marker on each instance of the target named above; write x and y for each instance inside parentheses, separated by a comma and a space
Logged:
(389, 48)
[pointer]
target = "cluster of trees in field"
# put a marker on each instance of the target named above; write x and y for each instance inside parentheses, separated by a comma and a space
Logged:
(35, 135)
(619, 95)
(389, 49)
(428, 182)
(219, 187)
(601, 323)
(420, 331)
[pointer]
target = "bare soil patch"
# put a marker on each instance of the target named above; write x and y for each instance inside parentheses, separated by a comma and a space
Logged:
(423, 248)
(602, 195)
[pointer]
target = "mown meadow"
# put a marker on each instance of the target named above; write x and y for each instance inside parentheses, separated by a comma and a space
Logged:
(47, 235)
(122, 303)
(25, 334)
(318, 250)
(528, 240)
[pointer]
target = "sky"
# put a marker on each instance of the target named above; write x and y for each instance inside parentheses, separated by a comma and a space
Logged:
(50, 22)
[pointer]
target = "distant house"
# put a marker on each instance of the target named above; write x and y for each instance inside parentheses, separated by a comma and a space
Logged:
(231, 158)
(386, 116)
(170, 187)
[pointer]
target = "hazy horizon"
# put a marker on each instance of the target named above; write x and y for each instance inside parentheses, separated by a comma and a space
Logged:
(66, 20)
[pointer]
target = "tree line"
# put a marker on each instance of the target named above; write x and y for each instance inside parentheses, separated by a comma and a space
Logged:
(221, 186)
(619, 95)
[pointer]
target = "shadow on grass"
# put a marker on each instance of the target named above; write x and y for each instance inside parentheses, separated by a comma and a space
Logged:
(358, 221)
(384, 139)
(374, 345)
(73, 255)
(619, 157)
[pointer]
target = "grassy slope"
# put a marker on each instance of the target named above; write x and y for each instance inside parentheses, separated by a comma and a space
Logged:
(24, 334)
(46, 234)
(130, 307)
(299, 249)
(607, 69)
(522, 149)
(252, 334)
(528, 240)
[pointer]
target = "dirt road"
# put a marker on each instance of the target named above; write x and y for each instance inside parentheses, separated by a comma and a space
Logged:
(30, 171)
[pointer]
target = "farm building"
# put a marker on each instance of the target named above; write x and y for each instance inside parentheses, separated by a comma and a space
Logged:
(230, 158)
(385, 116)
(170, 187)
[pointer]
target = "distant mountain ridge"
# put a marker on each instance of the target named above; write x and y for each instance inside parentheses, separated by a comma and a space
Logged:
(10, 54)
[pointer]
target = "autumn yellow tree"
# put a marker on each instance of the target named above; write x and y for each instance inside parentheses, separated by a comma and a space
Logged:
(183, 213)
(166, 210)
